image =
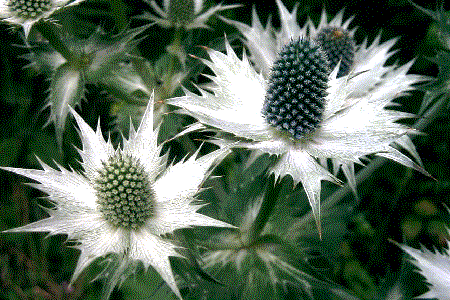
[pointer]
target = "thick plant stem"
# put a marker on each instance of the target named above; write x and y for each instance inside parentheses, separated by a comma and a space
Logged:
(148, 74)
(115, 272)
(47, 29)
(176, 51)
(118, 268)
(270, 196)
(118, 9)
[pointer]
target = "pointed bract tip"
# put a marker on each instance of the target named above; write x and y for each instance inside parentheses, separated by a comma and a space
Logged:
(318, 225)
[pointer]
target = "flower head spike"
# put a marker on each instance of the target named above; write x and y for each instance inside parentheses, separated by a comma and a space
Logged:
(299, 109)
(27, 12)
(183, 13)
(124, 200)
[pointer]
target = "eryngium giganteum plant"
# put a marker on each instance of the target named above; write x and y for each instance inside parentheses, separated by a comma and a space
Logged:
(306, 95)
(124, 200)
(320, 101)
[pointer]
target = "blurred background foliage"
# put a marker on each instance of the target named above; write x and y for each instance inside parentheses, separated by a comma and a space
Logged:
(393, 203)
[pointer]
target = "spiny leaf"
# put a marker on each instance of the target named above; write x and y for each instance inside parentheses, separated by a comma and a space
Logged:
(66, 89)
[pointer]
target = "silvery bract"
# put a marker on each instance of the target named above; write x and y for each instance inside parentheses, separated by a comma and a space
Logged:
(435, 267)
(295, 104)
(124, 200)
(27, 12)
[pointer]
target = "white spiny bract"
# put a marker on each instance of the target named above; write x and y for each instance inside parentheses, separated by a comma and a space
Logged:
(183, 13)
(124, 200)
(27, 12)
(355, 121)
(435, 267)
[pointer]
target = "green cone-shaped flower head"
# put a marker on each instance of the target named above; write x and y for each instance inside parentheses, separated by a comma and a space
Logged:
(297, 85)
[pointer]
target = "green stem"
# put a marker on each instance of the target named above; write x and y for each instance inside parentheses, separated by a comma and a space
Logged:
(144, 71)
(118, 268)
(47, 29)
(269, 201)
(125, 97)
(176, 46)
(380, 242)
(114, 271)
(118, 10)
(148, 75)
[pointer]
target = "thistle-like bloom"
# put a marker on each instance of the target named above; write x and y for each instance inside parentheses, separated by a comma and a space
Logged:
(184, 13)
(92, 60)
(435, 267)
(314, 96)
(27, 12)
(125, 199)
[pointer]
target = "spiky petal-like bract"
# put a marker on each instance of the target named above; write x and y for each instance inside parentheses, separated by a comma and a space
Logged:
(435, 267)
(125, 199)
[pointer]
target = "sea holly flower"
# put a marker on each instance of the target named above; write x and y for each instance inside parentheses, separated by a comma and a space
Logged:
(91, 61)
(124, 200)
(435, 267)
(296, 104)
(183, 13)
(27, 12)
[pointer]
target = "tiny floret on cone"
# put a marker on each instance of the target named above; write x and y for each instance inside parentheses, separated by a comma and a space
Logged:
(124, 201)
(124, 192)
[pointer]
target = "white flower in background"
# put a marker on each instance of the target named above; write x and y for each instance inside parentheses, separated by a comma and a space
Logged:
(435, 267)
(27, 12)
(124, 200)
(183, 13)
(93, 60)
(318, 96)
